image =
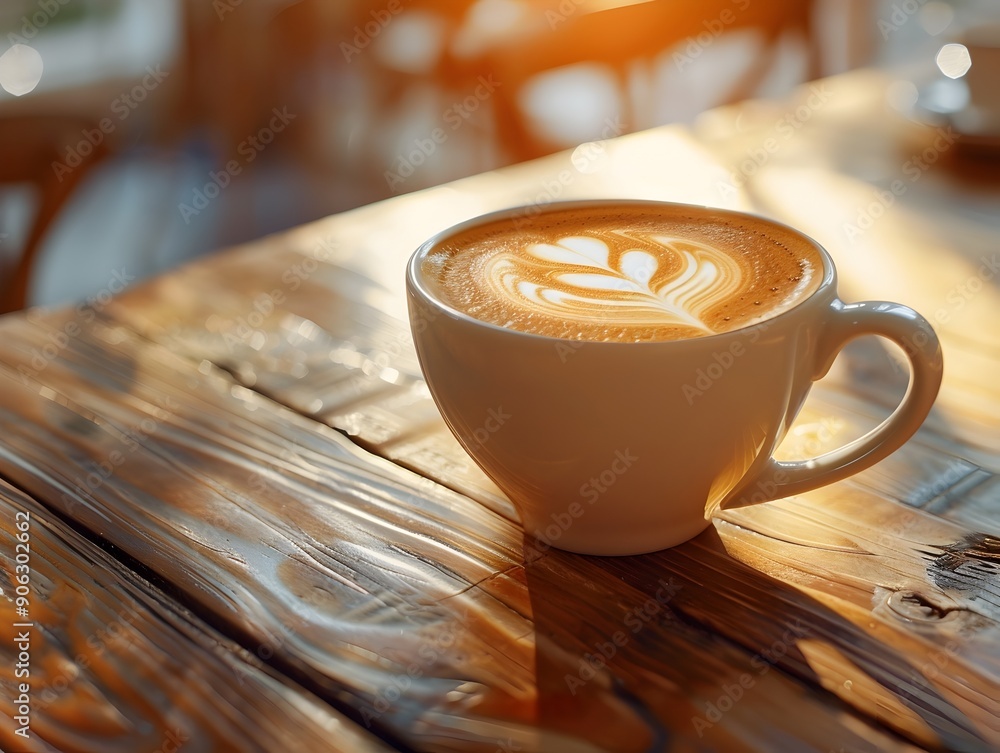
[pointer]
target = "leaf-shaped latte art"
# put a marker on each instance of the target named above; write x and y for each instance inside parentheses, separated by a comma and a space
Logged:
(671, 281)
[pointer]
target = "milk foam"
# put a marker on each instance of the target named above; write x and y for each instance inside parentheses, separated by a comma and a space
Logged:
(624, 273)
(549, 280)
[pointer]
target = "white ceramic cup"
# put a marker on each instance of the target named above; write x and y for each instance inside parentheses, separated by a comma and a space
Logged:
(616, 448)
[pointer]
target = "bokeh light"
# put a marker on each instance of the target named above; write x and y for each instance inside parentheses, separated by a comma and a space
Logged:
(20, 69)
(902, 95)
(954, 60)
(936, 17)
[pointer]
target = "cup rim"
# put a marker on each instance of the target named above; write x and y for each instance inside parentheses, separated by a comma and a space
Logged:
(415, 283)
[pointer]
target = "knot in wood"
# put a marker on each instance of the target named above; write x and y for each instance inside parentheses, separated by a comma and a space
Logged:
(911, 605)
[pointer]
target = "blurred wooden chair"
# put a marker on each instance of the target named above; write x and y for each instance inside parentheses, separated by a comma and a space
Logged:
(618, 37)
(241, 59)
(33, 151)
(514, 41)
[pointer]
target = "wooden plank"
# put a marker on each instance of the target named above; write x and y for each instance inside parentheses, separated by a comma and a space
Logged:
(972, 503)
(921, 592)
(417, 610)
(113, 663)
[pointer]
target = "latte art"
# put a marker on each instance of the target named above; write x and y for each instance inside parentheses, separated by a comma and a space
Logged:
(578, 278)
(631, 273)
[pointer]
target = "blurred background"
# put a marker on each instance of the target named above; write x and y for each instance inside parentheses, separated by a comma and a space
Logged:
(138, 134)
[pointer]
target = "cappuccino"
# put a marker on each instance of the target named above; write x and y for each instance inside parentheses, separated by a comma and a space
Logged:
(657, 297)
(625, 273)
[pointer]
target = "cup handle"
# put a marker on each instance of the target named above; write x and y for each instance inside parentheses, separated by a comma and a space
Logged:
(848, 321)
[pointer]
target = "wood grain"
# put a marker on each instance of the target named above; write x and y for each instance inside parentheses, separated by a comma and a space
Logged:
(114, 665)
(413, 609)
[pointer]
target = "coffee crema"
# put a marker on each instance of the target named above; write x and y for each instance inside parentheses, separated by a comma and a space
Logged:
(624, 273)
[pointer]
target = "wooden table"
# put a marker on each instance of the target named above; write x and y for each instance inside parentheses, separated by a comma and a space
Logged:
(250, 530)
